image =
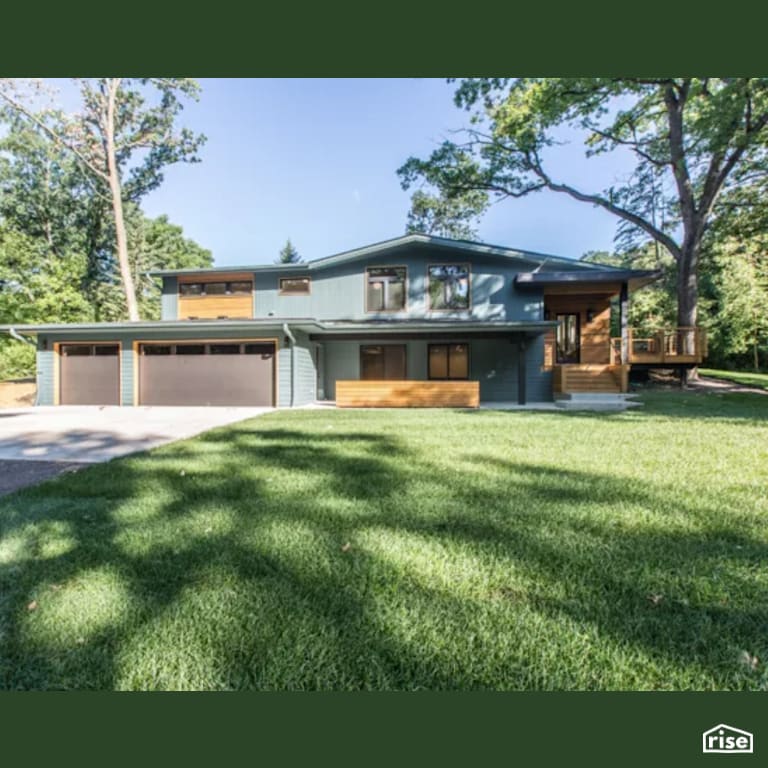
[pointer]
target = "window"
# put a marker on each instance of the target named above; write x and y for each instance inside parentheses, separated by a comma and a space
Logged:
(448, 286)
(265, 350)
(156, 349)
(448, 361)
(105, 350)
(382, 362)
(220, 288)
(225, 349)
(385, 289)
(240, 286)
(295, 286)
(567, 338)
(190, 349)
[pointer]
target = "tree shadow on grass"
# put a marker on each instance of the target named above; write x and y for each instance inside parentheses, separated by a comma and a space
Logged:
(290, 558)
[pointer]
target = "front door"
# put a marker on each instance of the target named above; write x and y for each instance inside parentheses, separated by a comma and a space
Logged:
(568, 338)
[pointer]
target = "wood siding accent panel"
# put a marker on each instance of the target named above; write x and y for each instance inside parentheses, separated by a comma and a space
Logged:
(212, 307)
(407, 394)
(595, 334)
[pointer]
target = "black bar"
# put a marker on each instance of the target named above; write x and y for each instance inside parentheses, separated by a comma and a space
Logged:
(521, 394)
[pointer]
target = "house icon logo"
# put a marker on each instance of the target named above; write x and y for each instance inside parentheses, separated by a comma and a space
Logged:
(726, 740)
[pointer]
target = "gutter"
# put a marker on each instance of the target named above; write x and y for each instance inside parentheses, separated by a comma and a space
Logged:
(14, 334)
(287, 332)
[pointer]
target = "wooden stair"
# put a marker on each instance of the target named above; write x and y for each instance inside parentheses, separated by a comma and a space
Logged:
(591, 378)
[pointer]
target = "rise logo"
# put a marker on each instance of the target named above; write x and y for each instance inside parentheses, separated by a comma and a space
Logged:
(724, 739)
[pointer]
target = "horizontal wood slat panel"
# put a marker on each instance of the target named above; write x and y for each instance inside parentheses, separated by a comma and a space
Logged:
(216, 306)
(407, 394)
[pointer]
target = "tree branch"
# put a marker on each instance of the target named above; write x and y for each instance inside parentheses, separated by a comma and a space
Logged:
(609, 206)
(21, 109)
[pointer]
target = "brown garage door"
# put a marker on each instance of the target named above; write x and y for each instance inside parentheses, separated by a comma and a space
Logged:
(89, 374)
(222, 373)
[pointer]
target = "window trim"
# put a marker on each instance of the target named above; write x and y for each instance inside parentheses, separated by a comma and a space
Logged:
(282, 292)
(448, 345)
(204, 295)
(404, 308)
(403, 346)
(428, 295)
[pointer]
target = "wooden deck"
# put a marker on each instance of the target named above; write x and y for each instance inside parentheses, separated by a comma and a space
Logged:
(407, 394)
(676, 346)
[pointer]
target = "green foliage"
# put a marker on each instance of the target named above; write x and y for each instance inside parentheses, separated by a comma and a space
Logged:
(57, 242)
(735, 286)
(654, 306)
(288, 254)
(453, 216)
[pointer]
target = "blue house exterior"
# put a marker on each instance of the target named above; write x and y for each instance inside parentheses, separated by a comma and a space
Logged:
(416, 308)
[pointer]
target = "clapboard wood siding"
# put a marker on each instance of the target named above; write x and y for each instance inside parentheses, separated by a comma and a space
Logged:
(407, 394)
(595, 334)
(207, 307)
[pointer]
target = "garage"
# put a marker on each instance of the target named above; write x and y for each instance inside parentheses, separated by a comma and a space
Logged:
(207, 373)
(89, 374)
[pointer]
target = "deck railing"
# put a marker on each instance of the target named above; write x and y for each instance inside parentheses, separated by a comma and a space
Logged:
(667, 345)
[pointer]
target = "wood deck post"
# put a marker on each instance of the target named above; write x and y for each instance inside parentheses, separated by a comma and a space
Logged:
(624, 322)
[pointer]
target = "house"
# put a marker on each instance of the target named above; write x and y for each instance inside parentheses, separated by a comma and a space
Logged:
(417, 320)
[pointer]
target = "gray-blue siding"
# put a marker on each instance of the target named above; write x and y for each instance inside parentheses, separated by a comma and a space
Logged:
(339, 292)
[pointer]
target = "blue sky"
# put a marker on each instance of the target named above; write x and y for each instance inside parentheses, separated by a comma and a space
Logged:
(315, 160)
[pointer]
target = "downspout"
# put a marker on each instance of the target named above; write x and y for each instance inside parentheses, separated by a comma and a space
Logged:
(14, 334)
(287, 332)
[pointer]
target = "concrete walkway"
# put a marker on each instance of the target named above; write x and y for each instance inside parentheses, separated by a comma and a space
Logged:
(98, 433)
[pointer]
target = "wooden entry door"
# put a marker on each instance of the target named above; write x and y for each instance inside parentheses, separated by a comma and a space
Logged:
(568, 338)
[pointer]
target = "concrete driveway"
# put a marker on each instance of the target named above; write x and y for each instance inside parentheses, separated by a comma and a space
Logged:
(37, 443)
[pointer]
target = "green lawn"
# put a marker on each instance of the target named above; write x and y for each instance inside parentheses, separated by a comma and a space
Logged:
(404, 550)
(759, 380)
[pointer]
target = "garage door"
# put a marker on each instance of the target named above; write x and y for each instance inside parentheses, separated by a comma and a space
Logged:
(89, 374)
(223, 373)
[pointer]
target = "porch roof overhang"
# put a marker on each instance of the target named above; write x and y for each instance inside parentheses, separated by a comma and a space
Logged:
(414, 328)
(306, 324)
(196, 327)
(635, 278)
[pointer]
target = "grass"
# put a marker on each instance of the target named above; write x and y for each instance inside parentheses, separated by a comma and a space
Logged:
(758, 380)
(404, 550)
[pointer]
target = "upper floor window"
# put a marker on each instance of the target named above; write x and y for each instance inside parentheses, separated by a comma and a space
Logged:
(448, 286)
(295, 286)
(385, 289)
(222, 288)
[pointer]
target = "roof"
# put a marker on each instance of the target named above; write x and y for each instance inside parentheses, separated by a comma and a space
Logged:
(308, 324)
(636, 278)
(396, 243)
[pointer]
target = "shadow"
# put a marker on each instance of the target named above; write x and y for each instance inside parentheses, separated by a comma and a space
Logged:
(74, 445)
(343, 551)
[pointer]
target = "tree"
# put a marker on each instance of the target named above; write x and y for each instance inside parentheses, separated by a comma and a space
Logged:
(288, 254)
(123, 141)
(452, 217)
(691, 140)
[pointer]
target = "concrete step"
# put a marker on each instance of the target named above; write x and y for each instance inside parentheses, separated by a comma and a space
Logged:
(596, 401)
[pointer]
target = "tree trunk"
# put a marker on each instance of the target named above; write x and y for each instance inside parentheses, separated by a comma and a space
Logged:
(687, 306)
(117, 208)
